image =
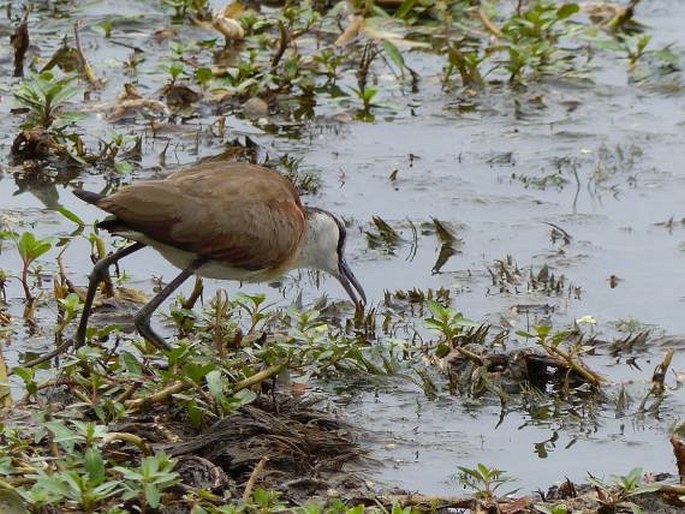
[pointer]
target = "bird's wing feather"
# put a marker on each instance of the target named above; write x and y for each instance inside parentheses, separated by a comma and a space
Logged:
(247, 216)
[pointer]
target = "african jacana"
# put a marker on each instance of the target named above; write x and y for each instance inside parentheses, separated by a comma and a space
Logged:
(233, 221)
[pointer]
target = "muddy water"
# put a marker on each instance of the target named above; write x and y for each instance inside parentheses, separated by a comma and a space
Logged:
(478, 165)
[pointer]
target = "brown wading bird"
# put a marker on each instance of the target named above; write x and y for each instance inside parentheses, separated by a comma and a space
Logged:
(232, 221)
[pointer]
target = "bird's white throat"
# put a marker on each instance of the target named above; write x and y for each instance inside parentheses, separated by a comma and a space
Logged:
(319, 247)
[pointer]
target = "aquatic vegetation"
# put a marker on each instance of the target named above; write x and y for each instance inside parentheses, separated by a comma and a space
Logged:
(118, 426)
(30, 249)
(484, 481)
(45, 96)
(617, 493)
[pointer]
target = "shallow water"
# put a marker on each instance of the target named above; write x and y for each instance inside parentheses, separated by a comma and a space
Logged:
(476, 170)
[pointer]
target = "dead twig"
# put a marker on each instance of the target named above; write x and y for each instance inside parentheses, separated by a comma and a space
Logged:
(189, 302)
(588, 375)
(20, 42)
(159, 396)
(127, 438)
(5, 396)
(473, 357)
(488, 24)
(50, 355)
(128, 392)
(658, 378)
(283, 43)
(425, 501)
(679, 451)
(256, 472)
(258, 378)
(84, 65)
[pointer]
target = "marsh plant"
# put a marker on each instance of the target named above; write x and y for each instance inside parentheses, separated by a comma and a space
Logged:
(85, 433)
(484, 481)
(532, 37)
(78, 464)
(618, 491)
(448, 323)
(46, 97)
(30, 248)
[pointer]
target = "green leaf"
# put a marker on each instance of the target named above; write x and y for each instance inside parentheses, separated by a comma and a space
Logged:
(203, 75)
(436, 309)
(71, 216)
(131, 363)
(667, 56)
(194, 413)
(24, 244)
(542, 331)
(196, 372)
(71, 302)
(106, 489)
(11, 501)
(405, 8)
(175, 69)
(61, 433)
(31, 248)
(26, 374)
(129, 474)
(567, 10)
(74, 481)
(215, 384)
(95, 465)
(62, 91)
(152, 495)
(260, 496)
(245, 396)
(643, 42)
(50, 487)
(394, 54)
(123, 167)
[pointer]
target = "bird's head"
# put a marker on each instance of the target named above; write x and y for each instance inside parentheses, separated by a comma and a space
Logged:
(324, 249)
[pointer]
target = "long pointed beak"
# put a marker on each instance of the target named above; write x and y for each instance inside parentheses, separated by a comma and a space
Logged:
(351, 284)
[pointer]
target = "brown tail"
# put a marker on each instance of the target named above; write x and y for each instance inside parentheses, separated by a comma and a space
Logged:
(87, 196)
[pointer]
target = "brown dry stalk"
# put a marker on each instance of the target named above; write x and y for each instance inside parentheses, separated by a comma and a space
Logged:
(427, 501)
(283, 42)
(127, 438)
(159, 396)
(259, 468)
(473, 357)
(258, 378)
(128, 392)
(488, 24)
(679, 453)
(54, 353)
(658, 377)
(86, 69)
(659, 374)
(20, 42)
(672, 489)
(189, 302)
(5, 396)
(83, 397)
(351, 32)
(590, 376)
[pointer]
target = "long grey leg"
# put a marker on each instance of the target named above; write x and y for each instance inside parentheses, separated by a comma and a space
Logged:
(142, 318)
(96, 276)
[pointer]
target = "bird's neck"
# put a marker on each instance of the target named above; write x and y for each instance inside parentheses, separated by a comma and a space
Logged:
(319, 229)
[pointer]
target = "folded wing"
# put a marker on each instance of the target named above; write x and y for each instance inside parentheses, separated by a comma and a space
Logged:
(247, 216)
